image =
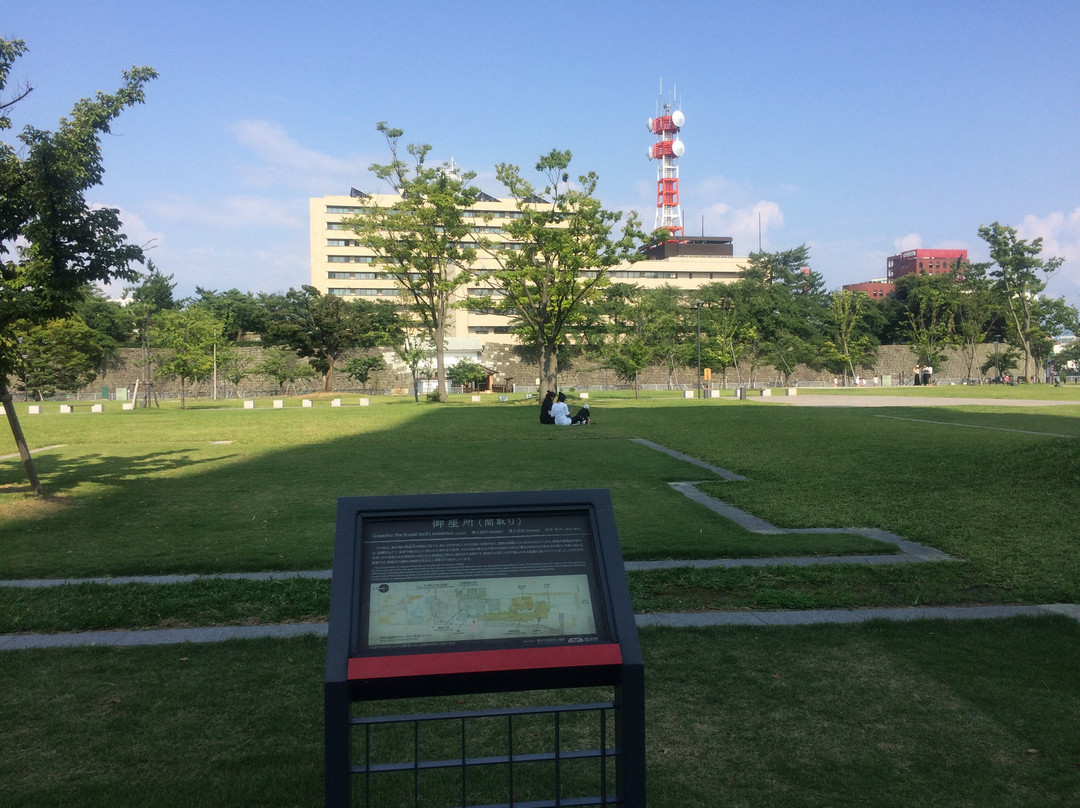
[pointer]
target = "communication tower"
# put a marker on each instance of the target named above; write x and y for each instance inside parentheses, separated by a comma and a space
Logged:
(666, 151)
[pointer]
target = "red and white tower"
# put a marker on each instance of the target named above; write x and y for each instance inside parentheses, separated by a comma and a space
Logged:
(666, 151)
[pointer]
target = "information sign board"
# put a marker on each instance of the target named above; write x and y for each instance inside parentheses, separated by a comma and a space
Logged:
(461, 593)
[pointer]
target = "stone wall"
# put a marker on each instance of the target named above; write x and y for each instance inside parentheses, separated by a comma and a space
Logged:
(894, 360)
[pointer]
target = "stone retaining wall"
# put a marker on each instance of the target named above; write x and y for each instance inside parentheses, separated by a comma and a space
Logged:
(894, 360)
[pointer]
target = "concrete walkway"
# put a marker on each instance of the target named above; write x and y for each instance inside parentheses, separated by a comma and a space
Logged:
(908, 552)
(174, 636)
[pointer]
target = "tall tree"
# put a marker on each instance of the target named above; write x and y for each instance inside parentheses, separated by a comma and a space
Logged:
(929, 320)
(59, 355)
(848, 342)
(326, 327)
(284, 367)
(556, 257)
(977, 314)
(188, 337)
(239, 312)
(52, 242)
(1020, 276)
(422, 239)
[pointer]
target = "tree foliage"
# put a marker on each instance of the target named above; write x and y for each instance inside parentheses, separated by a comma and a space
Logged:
(52, 242)
(61, 355)
(188, 337)
(556, 257)
(1020, 276)
(422, 240)
(465, 373)
(324, 328)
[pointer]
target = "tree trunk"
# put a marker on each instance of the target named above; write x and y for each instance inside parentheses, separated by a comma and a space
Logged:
(440, 355)
(20, 440)
(549, 370)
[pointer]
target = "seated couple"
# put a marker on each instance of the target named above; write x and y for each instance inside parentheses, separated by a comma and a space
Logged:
(555, 411)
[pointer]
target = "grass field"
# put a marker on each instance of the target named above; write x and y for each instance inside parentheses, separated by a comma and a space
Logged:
(922, 714)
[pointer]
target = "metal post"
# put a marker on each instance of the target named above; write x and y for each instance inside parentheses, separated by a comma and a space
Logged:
(697, 307)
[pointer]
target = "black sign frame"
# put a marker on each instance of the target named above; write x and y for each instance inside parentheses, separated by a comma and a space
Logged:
(401, 666)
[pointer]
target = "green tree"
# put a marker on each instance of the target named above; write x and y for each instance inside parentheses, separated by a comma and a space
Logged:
(422, 238)
(977, 314)
(234, 367)
(52, 243)
(284, 367)
(1020, 276)
(152, 295)
(722, 328)
(59, 355)
(410, 349)
(465, 373)
(929, 304)
(189, 337)
(239, 312)
(360, 368)
(849, 342)
(324, 328)
(556, 257)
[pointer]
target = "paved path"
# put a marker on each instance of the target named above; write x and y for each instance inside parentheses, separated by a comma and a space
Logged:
(909, 552)
(856, 400)
(173, 636)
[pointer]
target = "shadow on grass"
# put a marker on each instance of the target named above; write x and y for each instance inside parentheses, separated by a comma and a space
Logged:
(250, 506)
(241, 507)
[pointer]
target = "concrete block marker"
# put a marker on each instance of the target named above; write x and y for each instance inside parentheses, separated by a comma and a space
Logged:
(766, 391)
(365, 402)
(97, 408)
(504, 398)
(129, 405)
(792, 391)
(249, 405)
(476, 399)
(65, 408)
(335, 402)
(2, 410)
(35, 409)
(307, 403)
(585, 396)
(279, 404)
(688, 394)
(714, 394)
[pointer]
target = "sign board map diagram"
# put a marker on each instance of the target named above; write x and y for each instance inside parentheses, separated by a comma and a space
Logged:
(411, 612)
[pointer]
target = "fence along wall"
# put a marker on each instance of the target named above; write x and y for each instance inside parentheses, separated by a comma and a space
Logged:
(894, 360)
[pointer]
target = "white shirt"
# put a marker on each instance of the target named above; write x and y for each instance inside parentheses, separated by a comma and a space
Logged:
(561, 413)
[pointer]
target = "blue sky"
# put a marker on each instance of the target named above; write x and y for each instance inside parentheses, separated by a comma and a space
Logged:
(858, 128)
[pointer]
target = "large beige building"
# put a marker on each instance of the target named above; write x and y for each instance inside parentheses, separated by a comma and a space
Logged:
(341, 266)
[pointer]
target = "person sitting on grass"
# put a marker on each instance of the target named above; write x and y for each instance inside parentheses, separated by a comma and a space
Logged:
(545, 408)
(561, 412)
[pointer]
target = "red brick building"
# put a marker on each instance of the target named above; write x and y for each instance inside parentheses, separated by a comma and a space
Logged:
(874, 289)
(932, 262)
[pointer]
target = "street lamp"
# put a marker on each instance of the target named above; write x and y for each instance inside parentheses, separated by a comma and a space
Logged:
(697, 306)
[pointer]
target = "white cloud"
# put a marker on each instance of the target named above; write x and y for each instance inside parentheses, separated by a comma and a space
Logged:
(234, 211)
(287, 164)
(912, 241)
(1060, 233)
(743, 224)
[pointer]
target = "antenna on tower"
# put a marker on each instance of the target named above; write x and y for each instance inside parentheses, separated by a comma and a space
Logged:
(667, 150)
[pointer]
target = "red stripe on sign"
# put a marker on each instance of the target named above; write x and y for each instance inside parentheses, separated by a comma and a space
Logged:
(510, 659)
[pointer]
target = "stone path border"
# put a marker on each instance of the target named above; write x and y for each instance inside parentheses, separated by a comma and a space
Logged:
(175, 636)
(909, 552)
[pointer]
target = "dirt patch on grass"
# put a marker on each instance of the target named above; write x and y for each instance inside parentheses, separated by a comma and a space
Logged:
(19, 502)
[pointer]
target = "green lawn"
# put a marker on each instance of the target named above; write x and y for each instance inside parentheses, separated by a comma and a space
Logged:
(916, 714)
(908, 715)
